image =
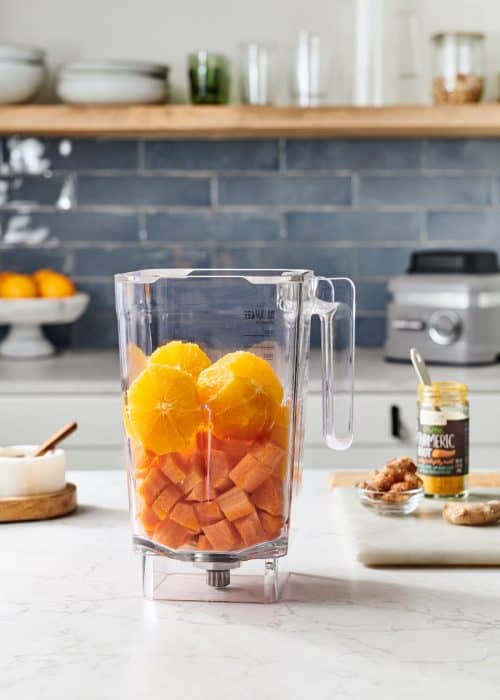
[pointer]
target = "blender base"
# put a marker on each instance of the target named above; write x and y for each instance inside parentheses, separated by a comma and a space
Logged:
(256, 581)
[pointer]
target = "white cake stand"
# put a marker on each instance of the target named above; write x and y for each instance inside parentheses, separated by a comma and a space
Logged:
(25, 339)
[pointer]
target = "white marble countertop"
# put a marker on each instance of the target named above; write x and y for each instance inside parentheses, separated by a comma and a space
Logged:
(74, 624)
(97, 372)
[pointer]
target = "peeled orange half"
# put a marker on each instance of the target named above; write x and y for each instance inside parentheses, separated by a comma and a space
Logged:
(242, 394)
(163, 409)
(186, 356)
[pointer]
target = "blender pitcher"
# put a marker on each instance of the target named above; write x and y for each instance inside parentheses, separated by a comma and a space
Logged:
(214, 367)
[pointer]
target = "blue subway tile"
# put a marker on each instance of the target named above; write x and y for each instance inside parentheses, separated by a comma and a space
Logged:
(370, 331)
(102, 294)
(371, 296)
(75, 225)
(220, 226)
(36, 189)
(353, 226)
(285, 190)
(211, 155)
(382, 261)
(91, 154)
(425, 190)
(30, 258)
(109, 260)
(463, 154)
(467, 226)
(352, 155)
(178, 226)
(96, 330)
(241, 226)
(143, 190)
(330, 261)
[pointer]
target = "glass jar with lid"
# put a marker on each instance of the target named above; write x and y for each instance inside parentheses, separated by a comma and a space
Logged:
(459, 66)
(443, 439)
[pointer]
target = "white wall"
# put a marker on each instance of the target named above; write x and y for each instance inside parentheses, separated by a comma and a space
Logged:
(166, 30)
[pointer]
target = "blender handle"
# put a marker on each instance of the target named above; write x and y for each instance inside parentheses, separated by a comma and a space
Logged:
(335, 306)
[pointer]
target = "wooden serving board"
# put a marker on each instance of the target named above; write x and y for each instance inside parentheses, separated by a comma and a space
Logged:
(41, 507)
(476, 479)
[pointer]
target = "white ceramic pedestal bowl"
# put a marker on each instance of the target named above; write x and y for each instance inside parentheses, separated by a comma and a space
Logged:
(25, 339)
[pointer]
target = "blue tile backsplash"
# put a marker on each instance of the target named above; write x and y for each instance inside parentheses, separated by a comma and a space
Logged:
(342, 207)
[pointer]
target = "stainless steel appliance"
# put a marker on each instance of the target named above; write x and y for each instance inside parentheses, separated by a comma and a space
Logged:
(447, 305)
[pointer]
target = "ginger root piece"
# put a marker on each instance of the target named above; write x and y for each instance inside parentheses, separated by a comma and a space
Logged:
(472, 513)
(398, 476)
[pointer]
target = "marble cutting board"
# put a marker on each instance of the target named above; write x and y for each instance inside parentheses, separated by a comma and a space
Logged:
(420, 539)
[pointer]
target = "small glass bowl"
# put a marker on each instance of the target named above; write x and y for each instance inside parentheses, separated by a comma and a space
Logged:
(387, 503)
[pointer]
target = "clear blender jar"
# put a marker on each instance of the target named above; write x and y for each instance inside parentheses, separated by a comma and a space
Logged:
(214, 367)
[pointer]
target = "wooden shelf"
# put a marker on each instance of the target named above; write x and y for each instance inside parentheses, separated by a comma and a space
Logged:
(186, 121)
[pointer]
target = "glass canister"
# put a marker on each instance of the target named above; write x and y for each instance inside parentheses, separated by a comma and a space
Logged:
(443, 439)
(209, 78)
(214, 367)
(459, 68)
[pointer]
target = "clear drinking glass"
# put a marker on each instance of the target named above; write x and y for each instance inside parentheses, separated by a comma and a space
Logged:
(257, 73)
(214, 367)
(459, 68)
(209, 78)
(309, 84)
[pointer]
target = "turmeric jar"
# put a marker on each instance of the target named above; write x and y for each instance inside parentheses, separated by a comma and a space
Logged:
(443, 439)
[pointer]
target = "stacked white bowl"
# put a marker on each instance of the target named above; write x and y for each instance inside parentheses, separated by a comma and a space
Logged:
(113, 82)
(22, 70)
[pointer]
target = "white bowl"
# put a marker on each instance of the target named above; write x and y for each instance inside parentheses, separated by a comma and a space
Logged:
(112, 82)
(22, 71)
(21, 474)
(25, 339)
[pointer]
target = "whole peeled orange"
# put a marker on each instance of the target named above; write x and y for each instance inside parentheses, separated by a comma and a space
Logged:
(17, 286)
(53, 285)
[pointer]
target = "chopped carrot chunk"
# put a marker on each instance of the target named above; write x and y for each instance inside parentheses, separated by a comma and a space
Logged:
(208, 512)
(269, 496)
(166, 501)
(171, 534)
(175, 466)
(235, 504)
(222, 535)
(153, 484)
(250, 529)
(250, 472)
(184, 514)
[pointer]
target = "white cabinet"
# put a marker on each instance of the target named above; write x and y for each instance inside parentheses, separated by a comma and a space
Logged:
(98, 442)
(384, 427)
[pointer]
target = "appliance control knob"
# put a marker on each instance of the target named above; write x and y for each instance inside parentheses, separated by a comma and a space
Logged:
(444, 327)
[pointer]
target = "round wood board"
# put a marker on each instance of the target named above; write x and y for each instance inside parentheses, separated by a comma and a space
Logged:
(41, 507)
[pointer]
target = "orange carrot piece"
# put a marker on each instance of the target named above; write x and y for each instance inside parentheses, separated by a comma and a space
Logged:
(166, 501)
(249, 473)
(218, 468)
(175, 467)
(171, 534)
(221, 535)
(148, 519)
(184, 514)
(269, 496)
(250, 529)
(203, 542)
(153, 484)
(235, 503)
(272, 524)
(208, 512)
(272, 455)
(194, 476)
(202, 492)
